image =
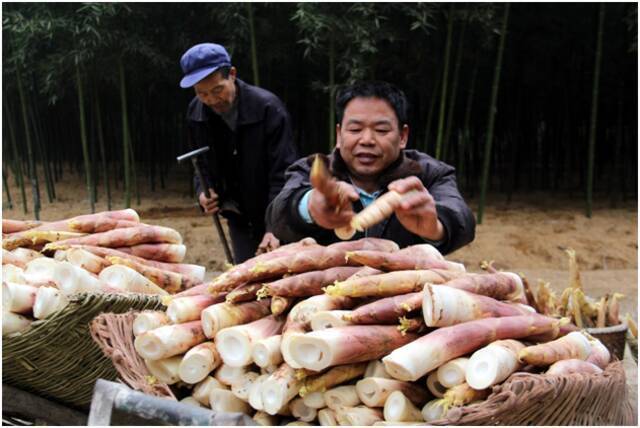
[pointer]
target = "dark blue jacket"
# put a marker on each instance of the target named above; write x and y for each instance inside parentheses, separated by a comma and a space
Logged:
(284, 220)
(246, 167)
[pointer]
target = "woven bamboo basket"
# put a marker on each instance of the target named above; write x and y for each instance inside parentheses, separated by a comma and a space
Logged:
(57, 359)
(114, 335)
(612, 337)
(633, 346)
(523, 399)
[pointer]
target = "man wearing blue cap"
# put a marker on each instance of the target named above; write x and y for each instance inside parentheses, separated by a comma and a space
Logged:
(249, 132)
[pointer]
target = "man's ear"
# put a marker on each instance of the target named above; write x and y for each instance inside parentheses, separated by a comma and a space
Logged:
(233, 73)
(338, 138)
(404, 136)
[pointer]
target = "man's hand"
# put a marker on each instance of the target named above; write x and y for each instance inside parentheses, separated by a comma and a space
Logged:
(209, 204)
(269, 243)
(417, 212)
(330, 216)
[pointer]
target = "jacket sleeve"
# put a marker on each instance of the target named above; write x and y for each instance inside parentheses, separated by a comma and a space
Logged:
(453, 212)
(281, 149)
(282, 217)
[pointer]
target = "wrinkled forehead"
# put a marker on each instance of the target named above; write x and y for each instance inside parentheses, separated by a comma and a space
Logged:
(369, 110)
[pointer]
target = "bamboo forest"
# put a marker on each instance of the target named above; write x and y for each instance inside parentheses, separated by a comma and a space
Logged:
(522, 97)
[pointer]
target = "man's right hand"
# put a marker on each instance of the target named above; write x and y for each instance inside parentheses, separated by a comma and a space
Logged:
(331, 216)
(209, 204)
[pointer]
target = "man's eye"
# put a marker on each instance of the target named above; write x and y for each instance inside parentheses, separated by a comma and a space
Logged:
(382, 130)
(354, 130)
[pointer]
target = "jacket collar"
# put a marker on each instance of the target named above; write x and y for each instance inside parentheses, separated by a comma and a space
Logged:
(248, 106)
(400, 168)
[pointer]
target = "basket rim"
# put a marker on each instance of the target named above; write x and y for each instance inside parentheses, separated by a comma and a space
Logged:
(620, 328)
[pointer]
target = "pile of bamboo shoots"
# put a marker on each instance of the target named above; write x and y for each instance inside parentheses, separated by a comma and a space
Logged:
(354, 333)
(581, 309)
(43, 263)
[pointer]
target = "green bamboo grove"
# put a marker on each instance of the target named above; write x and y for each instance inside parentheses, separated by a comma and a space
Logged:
(518, 97)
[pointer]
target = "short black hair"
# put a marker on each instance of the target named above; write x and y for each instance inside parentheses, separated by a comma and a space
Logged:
(373, 89)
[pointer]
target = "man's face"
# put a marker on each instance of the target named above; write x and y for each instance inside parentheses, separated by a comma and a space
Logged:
(217, 92)
(369, 137)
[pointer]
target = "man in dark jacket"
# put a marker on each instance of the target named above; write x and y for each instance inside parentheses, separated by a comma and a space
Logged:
(370, 158)
(249, 132)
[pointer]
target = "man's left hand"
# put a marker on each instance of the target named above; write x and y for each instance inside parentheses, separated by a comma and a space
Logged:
(417, 212)
(269, 243)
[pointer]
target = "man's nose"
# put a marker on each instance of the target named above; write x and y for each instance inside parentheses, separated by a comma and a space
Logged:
(367, 136)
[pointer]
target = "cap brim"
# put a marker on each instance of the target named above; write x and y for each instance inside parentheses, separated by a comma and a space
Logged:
(194, 77)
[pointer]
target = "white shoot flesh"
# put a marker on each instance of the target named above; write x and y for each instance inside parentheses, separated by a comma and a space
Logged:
(18, 298)
(433, 385)
(202, 389)
(453, 373)
(280, 388)
(227, 375)
(328, 319)
(223, 400)
(375, 368)
(265, 419)
(285, 349)
(266, 352)
(235, 344)
(13, 273)
(165, 370)
(14, 323)
(433, 410)
(327, 418)
(315, 400)
(86, 260)
(125, 278)
(198, 362)
(48, 300)
(255, 392)
(167, 341)
(188, 308)
(492, 364)
(398, 408)
(359, 416)
(374, 391)
(444, 306)
(46, 270)
(26, 254)
(345, 395)
(302, 411)
(217, 317)
(242, 386)
(149, 320)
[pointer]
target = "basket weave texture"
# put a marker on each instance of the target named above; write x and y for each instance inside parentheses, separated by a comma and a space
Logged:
(612, 337)
(114, 335)
(56, 358)
(533, 399)
(523, 399)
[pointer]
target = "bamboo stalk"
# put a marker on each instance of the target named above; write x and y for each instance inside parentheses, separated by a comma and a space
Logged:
(486, 162)
(17, 161)
(594, 110)
(83, 139)
(35, 190)
(103, 157)
(125, 135)
(445, 79)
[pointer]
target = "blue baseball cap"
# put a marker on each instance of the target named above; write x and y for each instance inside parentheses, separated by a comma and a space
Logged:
(201, 60)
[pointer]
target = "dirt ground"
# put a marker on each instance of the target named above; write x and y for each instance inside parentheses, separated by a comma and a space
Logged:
(527, 235)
